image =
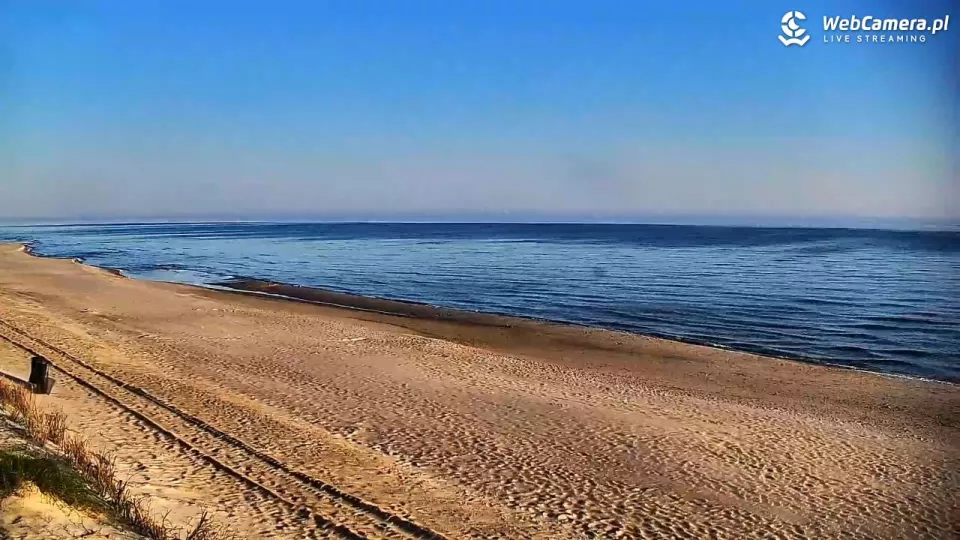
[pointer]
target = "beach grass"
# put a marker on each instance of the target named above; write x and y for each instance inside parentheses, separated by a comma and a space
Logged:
(64, 466)
(53, 477)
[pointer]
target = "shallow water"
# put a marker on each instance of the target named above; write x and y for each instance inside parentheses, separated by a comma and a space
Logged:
(886, 301)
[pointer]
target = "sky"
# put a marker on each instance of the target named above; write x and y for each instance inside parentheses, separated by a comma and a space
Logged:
(504, 109)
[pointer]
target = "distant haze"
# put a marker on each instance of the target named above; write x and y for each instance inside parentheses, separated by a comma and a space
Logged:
(552, 110)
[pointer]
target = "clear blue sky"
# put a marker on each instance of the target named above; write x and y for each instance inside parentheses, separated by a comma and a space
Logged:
(267, 109)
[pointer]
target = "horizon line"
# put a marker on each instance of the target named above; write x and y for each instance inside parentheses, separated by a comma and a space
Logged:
(820, 222)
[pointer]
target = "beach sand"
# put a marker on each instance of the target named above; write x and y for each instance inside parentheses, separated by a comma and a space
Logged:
(289, 419)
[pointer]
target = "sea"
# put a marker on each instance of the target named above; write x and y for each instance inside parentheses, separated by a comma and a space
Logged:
(886, 301)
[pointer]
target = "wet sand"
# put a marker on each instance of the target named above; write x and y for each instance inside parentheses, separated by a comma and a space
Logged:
(425, 421)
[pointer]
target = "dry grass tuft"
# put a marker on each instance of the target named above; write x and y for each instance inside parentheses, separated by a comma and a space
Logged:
(98, 471)
(18, 400)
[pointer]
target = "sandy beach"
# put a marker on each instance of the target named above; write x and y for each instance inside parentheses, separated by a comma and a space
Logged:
(290, 419)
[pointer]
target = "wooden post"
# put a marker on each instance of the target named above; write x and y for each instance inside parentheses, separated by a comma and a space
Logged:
(39, 377)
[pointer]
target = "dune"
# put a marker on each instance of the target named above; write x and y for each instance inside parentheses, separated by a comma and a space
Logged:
(348, 417)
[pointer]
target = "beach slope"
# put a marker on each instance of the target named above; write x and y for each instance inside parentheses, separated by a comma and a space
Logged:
(293, 419)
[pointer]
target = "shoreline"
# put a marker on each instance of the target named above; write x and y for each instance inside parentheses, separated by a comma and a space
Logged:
(27, 247)
(418, 310)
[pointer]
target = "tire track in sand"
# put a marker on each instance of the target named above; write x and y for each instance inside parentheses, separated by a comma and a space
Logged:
(327, 505)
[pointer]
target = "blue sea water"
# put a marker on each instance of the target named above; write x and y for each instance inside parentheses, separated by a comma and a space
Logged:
(881, 300)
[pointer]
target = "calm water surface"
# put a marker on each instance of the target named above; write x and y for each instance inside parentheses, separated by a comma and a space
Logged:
(880, 300)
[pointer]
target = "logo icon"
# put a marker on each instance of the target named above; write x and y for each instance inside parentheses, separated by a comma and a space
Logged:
(792, 30)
